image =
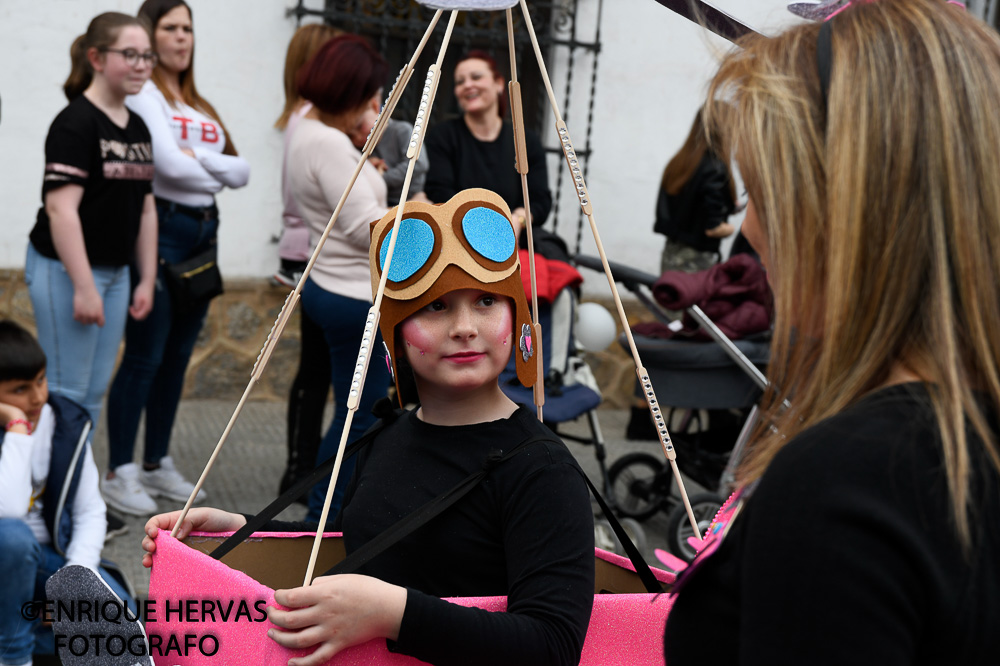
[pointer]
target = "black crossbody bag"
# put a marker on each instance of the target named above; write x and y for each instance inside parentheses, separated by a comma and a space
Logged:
(193, 282)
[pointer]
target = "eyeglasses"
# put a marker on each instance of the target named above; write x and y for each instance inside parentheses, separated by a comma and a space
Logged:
(132, 56)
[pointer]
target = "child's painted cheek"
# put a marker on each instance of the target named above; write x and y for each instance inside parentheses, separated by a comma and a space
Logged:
(505, 327)
(417, 338)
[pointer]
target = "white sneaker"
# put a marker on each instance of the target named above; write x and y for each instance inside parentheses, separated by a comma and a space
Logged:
(125, 493)
(168, 482)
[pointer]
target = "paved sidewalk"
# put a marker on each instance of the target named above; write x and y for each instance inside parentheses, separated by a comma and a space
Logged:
(245, 475)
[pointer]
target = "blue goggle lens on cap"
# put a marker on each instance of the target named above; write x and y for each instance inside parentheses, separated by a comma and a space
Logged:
(489, 233)
(413, 249)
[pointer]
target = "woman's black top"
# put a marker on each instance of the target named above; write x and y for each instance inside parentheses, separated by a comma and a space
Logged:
(703, 203)
(458, 161)
(847, 553)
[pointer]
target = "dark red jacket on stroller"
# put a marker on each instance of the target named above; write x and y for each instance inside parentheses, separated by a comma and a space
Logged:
(734, 295)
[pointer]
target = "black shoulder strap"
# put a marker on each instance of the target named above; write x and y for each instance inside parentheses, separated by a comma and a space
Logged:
(414, 521)
(640, 565)
(305, 484)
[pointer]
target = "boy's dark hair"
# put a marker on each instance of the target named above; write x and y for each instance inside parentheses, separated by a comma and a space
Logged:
(21, 357)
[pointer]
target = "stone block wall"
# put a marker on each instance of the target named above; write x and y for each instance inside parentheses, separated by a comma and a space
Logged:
(238, 324)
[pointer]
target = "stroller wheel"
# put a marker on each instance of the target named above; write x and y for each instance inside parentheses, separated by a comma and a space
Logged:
(605, 538)
(704, 506)
(639, 485)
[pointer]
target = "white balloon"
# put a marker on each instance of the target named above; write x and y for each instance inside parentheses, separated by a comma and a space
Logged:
(595, 327)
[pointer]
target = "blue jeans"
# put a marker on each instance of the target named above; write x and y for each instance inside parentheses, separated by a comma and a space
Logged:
(157, 349)
(343, 321)
(26, 565)
(80, 357)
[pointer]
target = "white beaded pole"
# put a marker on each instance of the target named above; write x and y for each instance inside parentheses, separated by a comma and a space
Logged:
(584, 199)
(293, 297)
(364, 354)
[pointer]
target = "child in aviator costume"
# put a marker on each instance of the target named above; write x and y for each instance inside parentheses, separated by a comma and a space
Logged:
(453, 310)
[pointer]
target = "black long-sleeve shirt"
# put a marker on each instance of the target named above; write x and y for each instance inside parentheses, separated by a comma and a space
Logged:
(525, 532)
(458, 161)
(846, 554)
(705, 202)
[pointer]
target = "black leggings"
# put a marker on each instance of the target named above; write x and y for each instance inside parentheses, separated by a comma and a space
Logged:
(306, 402)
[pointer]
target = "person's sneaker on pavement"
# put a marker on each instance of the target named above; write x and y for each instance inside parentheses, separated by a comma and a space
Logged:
(75, 584)
(125, 493)
(286, 278)
(116, 527)
(166, 481)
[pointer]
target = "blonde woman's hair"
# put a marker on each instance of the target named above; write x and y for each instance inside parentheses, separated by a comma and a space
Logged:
(881, 208)
(302, 47)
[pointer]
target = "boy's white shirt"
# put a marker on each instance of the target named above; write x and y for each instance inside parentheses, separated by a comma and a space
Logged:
(24, 470)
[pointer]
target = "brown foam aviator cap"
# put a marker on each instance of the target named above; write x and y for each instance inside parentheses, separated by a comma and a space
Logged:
(438, 258)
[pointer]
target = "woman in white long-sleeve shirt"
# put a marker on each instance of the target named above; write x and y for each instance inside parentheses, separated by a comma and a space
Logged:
(342, 81)
(194, 158)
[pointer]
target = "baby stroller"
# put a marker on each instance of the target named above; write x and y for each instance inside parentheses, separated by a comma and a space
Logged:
(571, 391)
(722, 377)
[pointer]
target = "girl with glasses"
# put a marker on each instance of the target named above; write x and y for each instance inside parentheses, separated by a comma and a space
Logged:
(98, 214)
(453, 313)
(194, 158)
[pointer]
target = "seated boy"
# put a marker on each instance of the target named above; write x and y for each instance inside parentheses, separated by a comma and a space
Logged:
(51, 512)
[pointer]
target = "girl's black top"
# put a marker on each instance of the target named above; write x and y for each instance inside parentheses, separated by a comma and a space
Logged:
(525, 532)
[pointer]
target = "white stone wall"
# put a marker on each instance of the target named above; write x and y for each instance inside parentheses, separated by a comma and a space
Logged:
(652, 73)
(651, 76)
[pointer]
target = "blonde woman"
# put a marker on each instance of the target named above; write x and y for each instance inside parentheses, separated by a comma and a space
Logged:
(293, 248)
(866, 528)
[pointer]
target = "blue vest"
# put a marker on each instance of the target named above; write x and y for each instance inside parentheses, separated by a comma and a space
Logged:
(69, 444)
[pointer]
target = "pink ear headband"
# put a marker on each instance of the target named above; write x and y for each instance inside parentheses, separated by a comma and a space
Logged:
(824, 11)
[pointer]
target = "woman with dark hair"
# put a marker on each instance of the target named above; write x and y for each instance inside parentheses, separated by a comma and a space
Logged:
(311, 387)
(342, 81)
(864, 530)
(696, 198)
(477, 150)
(97, 216)
(194, 158)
